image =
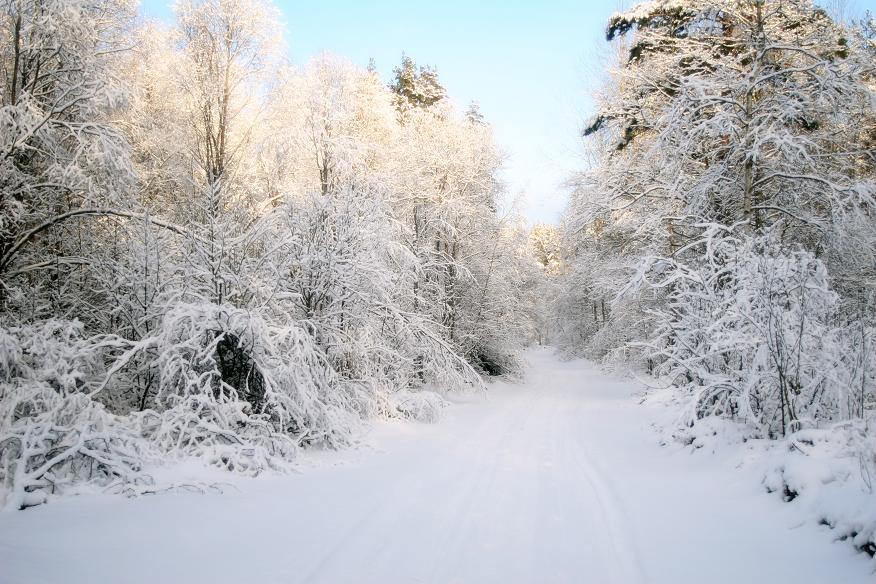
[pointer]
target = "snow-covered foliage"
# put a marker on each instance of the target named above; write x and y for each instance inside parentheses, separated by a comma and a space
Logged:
(829, 472)
(727, 223)
(206, 253)
(723, 239)
(825, 474)
(53, 436)
(753, 332)
(652, 514)
(423, 406)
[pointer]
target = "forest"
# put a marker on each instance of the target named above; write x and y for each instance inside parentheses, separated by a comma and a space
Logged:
(725, 236)
(208, 252)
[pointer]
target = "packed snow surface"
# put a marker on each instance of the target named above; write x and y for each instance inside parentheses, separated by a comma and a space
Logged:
(558, 479)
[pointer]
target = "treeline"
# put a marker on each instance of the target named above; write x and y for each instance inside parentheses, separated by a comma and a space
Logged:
(725, 235)
(205, 251)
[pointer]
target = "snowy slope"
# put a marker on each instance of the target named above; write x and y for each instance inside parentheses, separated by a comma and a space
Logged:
(559, 479)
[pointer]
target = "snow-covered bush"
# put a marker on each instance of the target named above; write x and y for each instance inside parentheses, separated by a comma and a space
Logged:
(752, 331)
(54, 438)
(422, 406)
(827, 472)
(229, 377)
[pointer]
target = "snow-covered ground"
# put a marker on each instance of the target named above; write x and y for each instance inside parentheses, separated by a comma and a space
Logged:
(559, 479)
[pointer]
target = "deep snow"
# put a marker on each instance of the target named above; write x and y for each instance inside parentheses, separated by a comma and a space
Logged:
(558, 479)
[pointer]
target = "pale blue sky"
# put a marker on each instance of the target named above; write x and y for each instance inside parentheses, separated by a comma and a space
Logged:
(530, 64)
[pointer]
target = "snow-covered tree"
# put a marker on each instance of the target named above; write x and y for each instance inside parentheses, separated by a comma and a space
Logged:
(753, 117)
(205, 253)
(753, 332)
(416, 86)
(60, 159)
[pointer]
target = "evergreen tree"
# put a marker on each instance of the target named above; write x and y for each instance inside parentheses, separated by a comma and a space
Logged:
(416, 86)
(473, 114)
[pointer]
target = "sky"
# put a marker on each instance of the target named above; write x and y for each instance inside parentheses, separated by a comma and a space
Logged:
(530, 65)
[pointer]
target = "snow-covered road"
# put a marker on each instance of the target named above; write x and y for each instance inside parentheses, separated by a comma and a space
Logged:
(559, 479)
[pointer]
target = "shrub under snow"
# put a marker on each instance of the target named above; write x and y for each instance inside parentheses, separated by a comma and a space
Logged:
(53, 436)
(827, 472)
(753, 332)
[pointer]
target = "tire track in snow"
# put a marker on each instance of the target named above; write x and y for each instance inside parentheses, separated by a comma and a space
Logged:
(458, 481)
(462, 524)
(624, 552)
(474, 484)
(624, 549)
(570, 412)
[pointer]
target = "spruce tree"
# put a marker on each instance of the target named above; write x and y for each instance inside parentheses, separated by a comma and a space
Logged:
(416, 86)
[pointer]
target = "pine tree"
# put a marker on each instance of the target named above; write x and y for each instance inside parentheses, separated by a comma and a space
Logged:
(416, 86)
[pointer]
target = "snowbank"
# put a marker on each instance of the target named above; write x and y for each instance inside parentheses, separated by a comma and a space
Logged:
(827, 474)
